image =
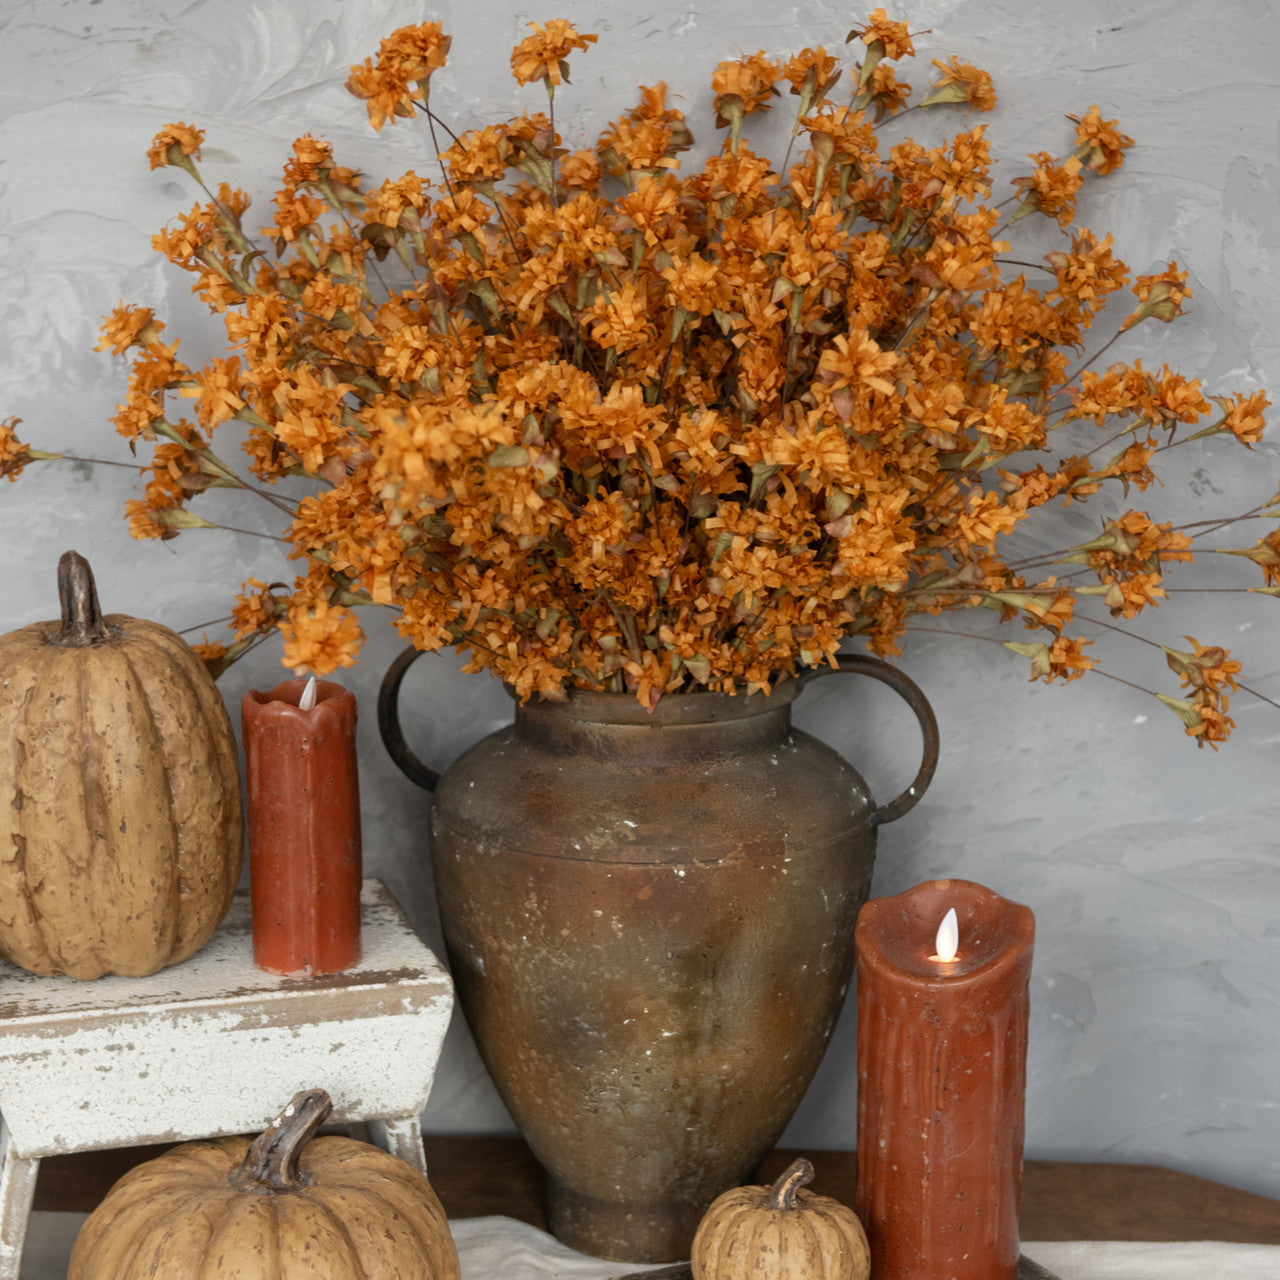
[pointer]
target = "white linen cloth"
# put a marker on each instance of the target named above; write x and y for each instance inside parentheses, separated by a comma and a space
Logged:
(503, 1249)
(1130, 1260)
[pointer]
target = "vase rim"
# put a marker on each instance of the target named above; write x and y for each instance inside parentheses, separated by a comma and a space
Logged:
(695, 707)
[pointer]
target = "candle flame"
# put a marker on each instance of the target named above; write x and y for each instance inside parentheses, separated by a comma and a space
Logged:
(308, 699)
(948, 941)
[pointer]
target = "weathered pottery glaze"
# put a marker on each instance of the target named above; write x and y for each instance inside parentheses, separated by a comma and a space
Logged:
(650, 920)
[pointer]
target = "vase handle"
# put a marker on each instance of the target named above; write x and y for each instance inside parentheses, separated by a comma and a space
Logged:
(862, 664)
(389, 723)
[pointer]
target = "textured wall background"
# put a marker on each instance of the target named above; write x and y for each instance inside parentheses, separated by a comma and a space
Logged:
(1153, 868)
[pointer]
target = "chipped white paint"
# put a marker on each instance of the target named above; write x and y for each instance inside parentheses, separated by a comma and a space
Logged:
(215, 1046)
(17, 1187)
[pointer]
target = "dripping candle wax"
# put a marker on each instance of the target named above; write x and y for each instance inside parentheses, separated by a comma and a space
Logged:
(304, 826)
(942, 1044)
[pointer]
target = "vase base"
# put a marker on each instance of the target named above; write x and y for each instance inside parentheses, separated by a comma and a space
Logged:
(622, 1231)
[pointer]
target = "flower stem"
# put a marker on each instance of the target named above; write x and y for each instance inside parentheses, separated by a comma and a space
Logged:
(551, 115)
(203, 626)
(1097, 355)
(253, 533)
(96, 462)
(1111, 626)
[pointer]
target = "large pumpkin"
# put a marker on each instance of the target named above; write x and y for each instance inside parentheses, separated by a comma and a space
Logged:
(780, 1233)
(283, 1207)
(120, 826)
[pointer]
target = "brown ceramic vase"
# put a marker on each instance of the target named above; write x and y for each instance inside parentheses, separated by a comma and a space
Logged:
(650, 922)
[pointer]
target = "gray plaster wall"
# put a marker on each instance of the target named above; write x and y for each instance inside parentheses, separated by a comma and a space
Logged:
(1153, 868)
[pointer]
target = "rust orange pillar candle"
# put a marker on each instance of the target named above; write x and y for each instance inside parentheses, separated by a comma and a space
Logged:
(304, 828)
(942, 1051)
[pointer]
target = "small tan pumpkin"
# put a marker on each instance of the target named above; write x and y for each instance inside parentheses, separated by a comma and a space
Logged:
(120, 817)
(283, 1206)
(780, 1233)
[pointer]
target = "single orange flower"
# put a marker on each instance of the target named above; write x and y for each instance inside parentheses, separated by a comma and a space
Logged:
(174, 144)
(1099, 144)
(963, 84)
(14, 455)
(893, 37)
(542, 55)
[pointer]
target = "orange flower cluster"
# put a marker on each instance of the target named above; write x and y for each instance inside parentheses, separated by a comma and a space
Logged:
(400, 80)
(1208, 673)
(609, 425)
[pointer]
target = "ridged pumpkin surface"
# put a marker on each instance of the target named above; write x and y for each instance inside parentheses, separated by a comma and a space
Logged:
(120, 818)
(365, 1216)
(745, 1235)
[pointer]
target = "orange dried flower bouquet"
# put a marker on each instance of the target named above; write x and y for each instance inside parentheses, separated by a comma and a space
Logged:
(611, 425)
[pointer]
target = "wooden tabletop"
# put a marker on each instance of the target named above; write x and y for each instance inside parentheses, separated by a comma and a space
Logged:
(1061, 1200)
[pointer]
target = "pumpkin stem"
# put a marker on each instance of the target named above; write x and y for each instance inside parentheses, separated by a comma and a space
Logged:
(271, 1163)
(82, 623)
(782, 1195)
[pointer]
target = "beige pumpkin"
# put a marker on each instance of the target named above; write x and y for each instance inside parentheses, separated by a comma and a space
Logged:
(283, 1206)
(120, 826)
(780, 1233)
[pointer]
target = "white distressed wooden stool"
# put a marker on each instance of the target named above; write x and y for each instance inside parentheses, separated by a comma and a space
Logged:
(214, 1046)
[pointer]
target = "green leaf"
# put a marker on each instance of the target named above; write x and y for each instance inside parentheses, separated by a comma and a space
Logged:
(303, 241)
(761, 474)
(1026, 650)
(471, 245)
(945, 95)
(538, 168)
(699, 667)
(875, 51)
(509, 455)
(560, 307)
(487, 294)
(1039, 655)
(180, 518)
(588, 289)
(1186, 711)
